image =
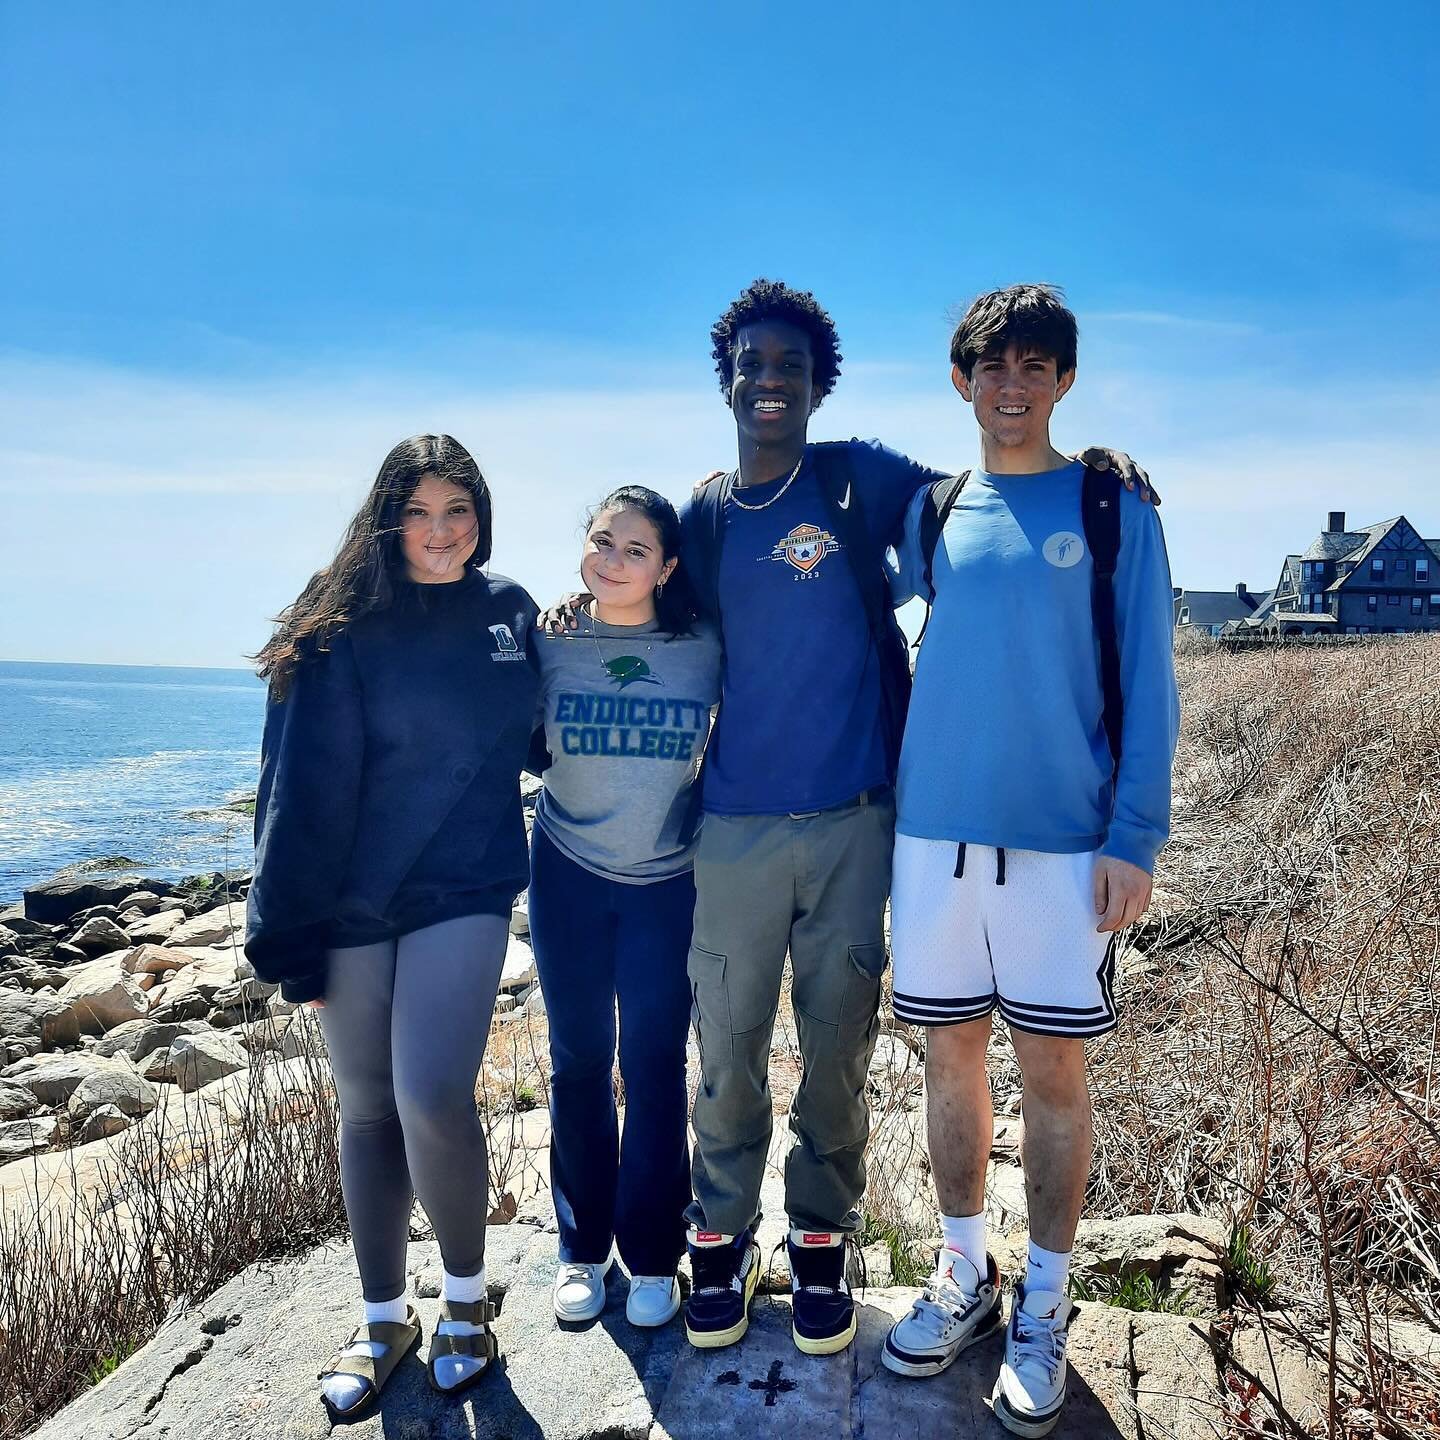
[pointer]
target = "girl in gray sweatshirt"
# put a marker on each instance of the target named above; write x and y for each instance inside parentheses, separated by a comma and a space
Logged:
(626, 702)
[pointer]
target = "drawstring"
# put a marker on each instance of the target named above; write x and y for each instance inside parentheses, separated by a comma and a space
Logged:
(999, 863)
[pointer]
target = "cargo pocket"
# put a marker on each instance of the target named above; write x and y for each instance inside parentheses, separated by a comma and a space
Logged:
(709, 1005)
(862, 989)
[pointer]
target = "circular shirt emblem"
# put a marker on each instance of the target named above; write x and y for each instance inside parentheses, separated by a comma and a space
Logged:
(1064, 549)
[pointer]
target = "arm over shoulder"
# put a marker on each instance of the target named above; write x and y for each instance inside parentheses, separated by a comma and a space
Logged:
(889, 481)
(1140, 824)
(305, 815)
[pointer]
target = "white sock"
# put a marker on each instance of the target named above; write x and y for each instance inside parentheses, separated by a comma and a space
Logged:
(343, 1391)
(1047, 1270)
(467, 1289)
(965, 1234)
(450, 1370)
(386, 1312)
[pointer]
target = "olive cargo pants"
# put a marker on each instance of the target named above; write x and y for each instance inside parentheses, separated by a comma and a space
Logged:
(816, 885)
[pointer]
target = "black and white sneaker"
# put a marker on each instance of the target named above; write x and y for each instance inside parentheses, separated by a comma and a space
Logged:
(822, 1308)
(1030, 1393)
(957, 1309)
(724, 1271)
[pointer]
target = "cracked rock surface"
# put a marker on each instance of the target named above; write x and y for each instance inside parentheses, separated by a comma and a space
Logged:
(243, 1364)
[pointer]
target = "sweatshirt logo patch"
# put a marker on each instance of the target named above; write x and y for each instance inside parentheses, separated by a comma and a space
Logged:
(1064, 549)
(804, 548)
(505, 646)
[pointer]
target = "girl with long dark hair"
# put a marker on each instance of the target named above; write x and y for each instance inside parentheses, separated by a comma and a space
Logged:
(390, 847)
(627, 697)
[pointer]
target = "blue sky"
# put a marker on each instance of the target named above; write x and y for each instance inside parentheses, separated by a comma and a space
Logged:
(247, 251)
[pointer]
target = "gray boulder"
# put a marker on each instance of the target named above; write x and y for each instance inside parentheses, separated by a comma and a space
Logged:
(139, 1038)
(103, 994)
(16, 1100)
(247, 994)
(53, 1079)
(37, 1019)
(58, 900)
(10, 942)
(212, 927)
(19, 1138)
(117, 1085)
(102, 1123)
(99, 936)
(155, 929)
(199, 1059)
(147, 902)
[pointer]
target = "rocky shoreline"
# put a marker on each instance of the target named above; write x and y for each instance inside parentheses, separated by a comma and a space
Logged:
(113, 987)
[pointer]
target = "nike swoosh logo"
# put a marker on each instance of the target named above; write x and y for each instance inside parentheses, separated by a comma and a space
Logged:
(845, 498)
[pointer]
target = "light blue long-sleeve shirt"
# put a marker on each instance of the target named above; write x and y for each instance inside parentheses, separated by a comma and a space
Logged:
(1005, 743)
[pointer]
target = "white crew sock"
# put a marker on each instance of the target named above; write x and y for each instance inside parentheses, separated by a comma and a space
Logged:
(965, 1234)
(1047, 1270)
(450, 1370)
(343, 1391)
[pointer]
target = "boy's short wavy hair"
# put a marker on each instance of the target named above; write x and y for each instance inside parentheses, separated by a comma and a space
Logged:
(1031, 317)
(774, 300)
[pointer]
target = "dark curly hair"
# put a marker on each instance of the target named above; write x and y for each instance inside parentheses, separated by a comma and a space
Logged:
(774, 300)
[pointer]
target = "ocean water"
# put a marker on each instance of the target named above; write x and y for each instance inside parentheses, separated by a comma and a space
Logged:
(108, 760)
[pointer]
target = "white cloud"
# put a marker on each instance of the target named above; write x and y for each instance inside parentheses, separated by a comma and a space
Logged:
(152, 518)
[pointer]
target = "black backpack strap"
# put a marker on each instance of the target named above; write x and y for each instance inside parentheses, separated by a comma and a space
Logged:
(939, 501)
(1100, 511)
(703, 541)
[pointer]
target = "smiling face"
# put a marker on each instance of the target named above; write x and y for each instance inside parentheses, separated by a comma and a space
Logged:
(1013, 394)
(621, 565)
(438, 532)
(772, 389)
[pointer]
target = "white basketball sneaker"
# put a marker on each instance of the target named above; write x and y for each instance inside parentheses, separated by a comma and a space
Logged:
(957, 1309)
(1030, 1392)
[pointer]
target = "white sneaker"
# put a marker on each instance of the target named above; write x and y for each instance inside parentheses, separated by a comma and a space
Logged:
(1030, 1392)
(654, 1299)
(579, 1290)
(957, 1309)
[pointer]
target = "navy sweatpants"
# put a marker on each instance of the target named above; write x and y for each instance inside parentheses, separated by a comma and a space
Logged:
(597, 942)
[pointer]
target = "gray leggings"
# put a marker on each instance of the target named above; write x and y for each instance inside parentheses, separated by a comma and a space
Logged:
(405, 1023)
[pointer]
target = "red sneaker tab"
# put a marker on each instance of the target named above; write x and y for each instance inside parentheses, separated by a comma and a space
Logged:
(708, 1237)
(822, 1239)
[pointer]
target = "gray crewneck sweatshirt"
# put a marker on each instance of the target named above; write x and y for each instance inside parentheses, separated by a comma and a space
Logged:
(626, 711)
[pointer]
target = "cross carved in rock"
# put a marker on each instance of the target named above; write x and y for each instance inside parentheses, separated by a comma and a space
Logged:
(772, 1384)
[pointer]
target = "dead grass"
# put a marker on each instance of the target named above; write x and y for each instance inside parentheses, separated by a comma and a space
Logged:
(247, 1171)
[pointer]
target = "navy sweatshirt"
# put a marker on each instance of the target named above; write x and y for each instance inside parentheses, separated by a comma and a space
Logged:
(389, 794)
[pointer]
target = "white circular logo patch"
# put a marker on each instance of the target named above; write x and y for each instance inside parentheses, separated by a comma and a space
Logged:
(1064, 549)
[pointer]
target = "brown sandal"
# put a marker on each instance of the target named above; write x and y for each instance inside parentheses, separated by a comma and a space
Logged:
(398, 1339)
(480, 1346)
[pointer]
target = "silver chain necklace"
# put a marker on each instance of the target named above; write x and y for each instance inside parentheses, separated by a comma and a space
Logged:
(605, 664)
(766, 504)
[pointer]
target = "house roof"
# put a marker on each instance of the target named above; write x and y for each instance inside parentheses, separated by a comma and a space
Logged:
(1210, 607)
(1337, 544)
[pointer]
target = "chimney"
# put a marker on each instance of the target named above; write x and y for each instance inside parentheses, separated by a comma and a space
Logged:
(1245, 597)
(1337, 521)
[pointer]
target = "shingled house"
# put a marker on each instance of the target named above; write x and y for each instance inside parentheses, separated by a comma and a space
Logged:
(1212, 610)
(1379, 579)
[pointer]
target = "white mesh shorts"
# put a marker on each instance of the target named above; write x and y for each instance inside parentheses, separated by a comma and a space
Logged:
(1014, 930)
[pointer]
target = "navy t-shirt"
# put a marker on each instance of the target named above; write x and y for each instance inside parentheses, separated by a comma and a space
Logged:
(800, 713)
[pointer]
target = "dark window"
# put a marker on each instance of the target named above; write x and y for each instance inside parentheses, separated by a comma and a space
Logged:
(1415, 604)
(1377, 569)
(1372, 602)
(1402, 564)
(1392, 599)
(1434, 603)
(1422, 572)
